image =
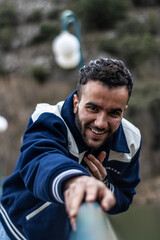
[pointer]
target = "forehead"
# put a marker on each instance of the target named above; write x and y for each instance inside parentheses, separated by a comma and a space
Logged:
(96, 90)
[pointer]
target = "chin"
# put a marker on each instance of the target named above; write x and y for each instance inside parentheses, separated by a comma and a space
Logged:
(94, 146)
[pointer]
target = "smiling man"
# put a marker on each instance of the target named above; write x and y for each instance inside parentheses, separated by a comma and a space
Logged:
(81, 149)
(99, 111)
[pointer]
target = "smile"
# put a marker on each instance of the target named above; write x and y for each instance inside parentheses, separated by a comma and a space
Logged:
(97, 132)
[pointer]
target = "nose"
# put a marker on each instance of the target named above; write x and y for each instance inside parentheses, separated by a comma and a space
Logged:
(101, 121)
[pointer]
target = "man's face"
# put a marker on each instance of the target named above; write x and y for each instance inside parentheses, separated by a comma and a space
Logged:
(99, 112)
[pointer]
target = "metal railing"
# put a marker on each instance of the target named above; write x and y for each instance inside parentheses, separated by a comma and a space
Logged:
(92, 224)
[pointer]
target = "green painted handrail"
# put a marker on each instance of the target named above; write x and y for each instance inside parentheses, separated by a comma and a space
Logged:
(92, 224)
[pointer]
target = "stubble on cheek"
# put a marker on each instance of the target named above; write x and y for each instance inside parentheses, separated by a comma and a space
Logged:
(82, 129)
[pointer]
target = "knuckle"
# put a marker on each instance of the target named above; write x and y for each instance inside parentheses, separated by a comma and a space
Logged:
(66, 193)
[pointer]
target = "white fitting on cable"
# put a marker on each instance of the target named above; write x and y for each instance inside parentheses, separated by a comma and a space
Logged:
(3, 124)
(66, 48)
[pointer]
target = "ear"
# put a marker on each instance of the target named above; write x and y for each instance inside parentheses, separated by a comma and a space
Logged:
(125, 108)
(75, 103)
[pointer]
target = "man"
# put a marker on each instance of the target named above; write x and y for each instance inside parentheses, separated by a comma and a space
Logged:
(78, 150)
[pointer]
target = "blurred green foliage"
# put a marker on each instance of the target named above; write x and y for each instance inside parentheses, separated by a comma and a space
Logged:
(35, 16)
(3, 71)
(145, 93)
(135, 41)
(47, 32)
(134, 49)
(6, 37)
(40, 73)
(131, 26)
(152, 22)
(8, 22)
(146, 2)
(54, 13)
(8, 15)
(100, 14)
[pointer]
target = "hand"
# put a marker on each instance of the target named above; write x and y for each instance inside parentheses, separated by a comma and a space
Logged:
(88, 189)
(95, 167)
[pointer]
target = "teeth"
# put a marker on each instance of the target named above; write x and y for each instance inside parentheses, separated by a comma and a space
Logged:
(97, 132)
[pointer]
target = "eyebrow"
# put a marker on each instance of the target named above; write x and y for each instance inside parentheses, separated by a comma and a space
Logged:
(116, 109)
(92, 104)
(95, 105)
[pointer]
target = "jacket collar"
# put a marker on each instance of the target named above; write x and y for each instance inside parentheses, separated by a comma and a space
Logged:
(117, 142)
(69, 118)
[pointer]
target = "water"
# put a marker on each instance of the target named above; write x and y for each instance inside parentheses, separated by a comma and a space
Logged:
(138, 223)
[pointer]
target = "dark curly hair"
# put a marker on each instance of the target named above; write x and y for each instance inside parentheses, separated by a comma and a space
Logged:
(110, 72)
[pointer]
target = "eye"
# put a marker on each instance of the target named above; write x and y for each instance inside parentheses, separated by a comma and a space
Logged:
(92, 108)
(115, 113)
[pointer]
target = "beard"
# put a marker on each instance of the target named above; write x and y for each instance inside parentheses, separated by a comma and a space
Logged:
(84, 137)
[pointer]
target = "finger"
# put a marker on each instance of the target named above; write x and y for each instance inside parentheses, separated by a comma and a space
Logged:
(92, 189)
(97, 161)
(94, 160)
(108, 200)
(73, 198)
(96, 190)
(67, 198)
(73, 223)
(89, 171)
(101, 174)
(101, 156)
(93, 168)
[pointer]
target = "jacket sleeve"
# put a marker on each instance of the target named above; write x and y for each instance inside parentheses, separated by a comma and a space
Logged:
(124, 185)
(45, 162)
